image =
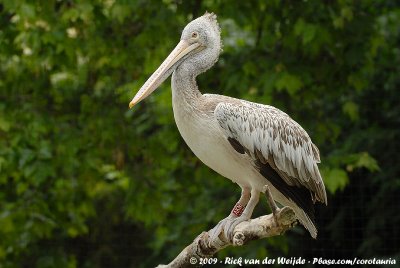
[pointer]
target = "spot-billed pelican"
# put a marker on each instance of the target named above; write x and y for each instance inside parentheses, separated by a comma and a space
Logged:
(249, 143)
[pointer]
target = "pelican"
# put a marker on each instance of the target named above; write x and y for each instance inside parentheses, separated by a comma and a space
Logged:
(251, 144)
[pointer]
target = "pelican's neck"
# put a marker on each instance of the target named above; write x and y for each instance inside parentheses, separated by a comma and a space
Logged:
(184, 87)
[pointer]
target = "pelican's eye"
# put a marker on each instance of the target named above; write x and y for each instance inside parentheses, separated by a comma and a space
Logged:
(195, 35)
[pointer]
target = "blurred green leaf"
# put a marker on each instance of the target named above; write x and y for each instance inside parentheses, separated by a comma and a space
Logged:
(4, 124)
(335, 179)
(290, 83)
(351, 109)
(363, 160)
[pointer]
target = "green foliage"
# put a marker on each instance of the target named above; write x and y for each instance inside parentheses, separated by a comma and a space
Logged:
(289, 82)
(85, 182)
(335, 179)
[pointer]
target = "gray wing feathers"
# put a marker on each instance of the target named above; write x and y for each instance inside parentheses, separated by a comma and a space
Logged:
(269, 134)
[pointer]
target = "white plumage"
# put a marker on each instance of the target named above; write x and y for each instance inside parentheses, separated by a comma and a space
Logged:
(251, 144)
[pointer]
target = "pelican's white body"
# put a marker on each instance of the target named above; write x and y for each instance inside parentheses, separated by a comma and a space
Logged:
(202, 133)
(204, 137)
(197, 124)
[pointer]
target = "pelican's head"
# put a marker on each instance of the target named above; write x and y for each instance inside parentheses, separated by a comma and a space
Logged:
(197, 51)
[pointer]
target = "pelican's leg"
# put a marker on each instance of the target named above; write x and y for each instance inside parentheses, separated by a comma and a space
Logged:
(236, 212)
(246, 215)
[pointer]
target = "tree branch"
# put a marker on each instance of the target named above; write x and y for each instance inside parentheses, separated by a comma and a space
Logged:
(273, 224)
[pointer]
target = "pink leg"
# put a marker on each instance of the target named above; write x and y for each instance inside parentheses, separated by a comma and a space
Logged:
(236, 213)
(242, 203)
(230, 225)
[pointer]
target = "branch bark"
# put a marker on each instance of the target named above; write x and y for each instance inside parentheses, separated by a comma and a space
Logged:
(276, 223)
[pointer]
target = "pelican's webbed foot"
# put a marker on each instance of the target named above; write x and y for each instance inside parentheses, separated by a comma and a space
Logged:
(227, 227)
(241, 212)
(219, 228)
(230, 225)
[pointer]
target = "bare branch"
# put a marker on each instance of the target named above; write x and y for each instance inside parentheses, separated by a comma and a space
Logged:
(273, 224)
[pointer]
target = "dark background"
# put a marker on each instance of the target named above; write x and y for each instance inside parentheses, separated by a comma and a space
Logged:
(85, 182)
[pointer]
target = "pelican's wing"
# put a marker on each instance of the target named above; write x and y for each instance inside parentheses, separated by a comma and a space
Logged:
(277, 144)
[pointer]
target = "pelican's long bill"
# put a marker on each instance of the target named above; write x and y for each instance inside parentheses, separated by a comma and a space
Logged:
(165, 69)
